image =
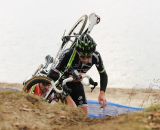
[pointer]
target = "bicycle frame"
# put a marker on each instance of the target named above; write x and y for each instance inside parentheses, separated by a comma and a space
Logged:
(94, 19)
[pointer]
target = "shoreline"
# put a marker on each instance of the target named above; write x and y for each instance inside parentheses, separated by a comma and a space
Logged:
(129, 97)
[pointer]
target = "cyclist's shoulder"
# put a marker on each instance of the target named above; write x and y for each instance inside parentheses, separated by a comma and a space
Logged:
(96, 52)
(97, 56)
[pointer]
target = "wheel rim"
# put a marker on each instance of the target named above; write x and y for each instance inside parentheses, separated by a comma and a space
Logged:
(81, 23)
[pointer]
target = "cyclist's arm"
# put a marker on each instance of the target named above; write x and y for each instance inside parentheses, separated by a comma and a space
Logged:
(103, 81)
(102, 73)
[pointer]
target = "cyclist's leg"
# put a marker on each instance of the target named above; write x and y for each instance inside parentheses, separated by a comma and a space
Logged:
(84, 107)
(70, 101)
(78, 96)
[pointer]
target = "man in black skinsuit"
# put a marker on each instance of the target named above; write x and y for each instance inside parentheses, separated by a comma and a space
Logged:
(86, 56)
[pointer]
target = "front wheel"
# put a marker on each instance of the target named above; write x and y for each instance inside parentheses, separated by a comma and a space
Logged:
(75, 31)
(79, 26)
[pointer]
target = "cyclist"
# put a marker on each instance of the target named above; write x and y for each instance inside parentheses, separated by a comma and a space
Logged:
(86, 56)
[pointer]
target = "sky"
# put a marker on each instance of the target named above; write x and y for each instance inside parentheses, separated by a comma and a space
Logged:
(128, 36)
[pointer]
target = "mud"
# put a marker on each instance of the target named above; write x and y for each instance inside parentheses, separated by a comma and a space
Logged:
(20, 111)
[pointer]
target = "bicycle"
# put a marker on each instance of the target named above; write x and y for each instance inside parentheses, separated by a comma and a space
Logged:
(56, 91)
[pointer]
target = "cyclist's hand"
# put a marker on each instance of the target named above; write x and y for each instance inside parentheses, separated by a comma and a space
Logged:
(102, 99)
(77, 79)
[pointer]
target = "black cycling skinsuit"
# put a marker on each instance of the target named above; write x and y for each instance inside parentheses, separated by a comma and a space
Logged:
(77, 92)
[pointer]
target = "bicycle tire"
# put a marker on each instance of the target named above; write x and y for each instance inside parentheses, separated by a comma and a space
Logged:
(35, 80)
(83, 19)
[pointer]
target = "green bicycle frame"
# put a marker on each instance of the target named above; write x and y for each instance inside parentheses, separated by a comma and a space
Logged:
(69, 65)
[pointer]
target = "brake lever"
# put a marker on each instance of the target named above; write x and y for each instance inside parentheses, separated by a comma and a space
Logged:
(93, 83)
(94, 86)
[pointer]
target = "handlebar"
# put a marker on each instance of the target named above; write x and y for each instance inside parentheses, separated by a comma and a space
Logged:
(91, 82)
(69, 79)
(75, 76)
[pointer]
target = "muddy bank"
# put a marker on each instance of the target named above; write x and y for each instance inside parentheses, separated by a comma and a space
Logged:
(20, 111)
(130, 97)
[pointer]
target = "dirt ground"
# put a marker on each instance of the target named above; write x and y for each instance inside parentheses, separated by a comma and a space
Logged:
(130, 97)
(20, 111)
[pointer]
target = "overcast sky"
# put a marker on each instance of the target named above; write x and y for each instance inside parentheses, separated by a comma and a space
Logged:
(128, 34)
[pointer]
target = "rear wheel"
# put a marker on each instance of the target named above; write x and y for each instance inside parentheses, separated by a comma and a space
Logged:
(36, 80)
(44, 83)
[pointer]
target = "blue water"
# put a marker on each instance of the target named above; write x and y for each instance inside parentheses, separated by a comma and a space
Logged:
(111, 109)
